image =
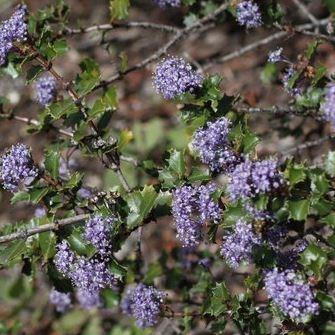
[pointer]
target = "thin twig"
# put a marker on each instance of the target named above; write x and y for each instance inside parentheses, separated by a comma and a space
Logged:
(24, 234)
(35, 123)
(305, 10)
(210, 61)
(307, 145)
(182, 33)
(278, 110)
(110, 26)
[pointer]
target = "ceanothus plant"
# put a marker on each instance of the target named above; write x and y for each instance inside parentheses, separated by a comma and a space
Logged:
(184, 224)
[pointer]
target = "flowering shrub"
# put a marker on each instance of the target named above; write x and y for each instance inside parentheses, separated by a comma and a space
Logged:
(185, 224)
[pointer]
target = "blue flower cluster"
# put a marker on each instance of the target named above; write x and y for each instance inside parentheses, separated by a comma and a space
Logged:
(328, 106)
(165, 3)
(62, 301)
(248, 14)
(191, 208)
(98, 232)
(294, 298)
(46, 90)
(17, 167)
(275, 56)
(92, 275)
(12, 30)
(212, 144)
(144, 303)
(252, 178)
(238, 245)
(174, 76)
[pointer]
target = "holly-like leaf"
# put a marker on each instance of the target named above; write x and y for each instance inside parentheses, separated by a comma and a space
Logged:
(299, 209)
(52, 162)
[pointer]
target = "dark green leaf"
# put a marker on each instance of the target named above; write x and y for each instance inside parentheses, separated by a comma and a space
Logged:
(52, 162)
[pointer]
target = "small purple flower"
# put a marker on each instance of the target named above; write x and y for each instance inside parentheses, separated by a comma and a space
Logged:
(211, 143)
(144, 303)
(91, 275)
(12, 30)
(275, 56)
(166, 3)
(64, 258)
(248, 14)
(84, 193)
(17, 167)
(40, 212)
(46, 90)
(295, 298)
(328, 106)
(98, 232)
(191, 208)
(174, 76)
(88, 299)
(252, 178)
(238, 245)
(62, 301)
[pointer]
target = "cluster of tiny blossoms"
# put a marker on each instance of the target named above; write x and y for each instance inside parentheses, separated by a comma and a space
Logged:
(97, 232)
(328, 106)
(291, 294)
(165, 3)
(211, 143)
(174, 76)
(90, 276)
(17, 167)
(248, 14)
(238, 246)
(275, 56)
(191, 208)
(12, 30)
(144, 303)
(62, 301)
(46, 90)
(252, 178)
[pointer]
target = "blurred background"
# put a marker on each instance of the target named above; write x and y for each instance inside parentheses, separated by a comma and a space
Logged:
(152, 121)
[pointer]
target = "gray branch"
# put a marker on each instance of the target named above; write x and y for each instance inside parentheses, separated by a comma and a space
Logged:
(24, 234)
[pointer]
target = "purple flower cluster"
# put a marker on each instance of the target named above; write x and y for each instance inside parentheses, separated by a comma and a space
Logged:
(237, 247)
(98, 232)
(62, 301)
(165, 3)
(191, 208)
(88, 299)
(291, 294)
(40, 212)
(90, 276)
(275, 56)
(252, 178)
(46, 89)
(144, 303)
(12, 30)
(328, 106)
(64, 258)
(248, 14)
(211, 143)
(17, 167)
(174, 76)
